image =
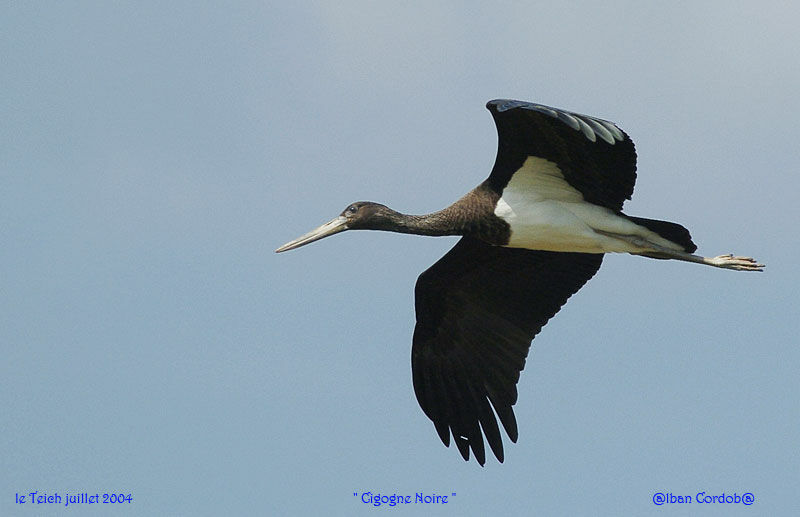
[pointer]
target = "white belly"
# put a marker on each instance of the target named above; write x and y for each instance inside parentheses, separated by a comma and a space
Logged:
(559, 226)
(546, 213)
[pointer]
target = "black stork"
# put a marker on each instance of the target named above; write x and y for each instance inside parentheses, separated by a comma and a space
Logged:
(533, 233)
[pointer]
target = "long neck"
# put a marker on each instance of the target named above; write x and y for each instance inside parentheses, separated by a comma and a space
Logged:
(443, 222)
(472, 214)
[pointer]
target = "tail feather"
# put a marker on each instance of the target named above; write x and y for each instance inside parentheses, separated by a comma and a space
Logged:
(670, 231)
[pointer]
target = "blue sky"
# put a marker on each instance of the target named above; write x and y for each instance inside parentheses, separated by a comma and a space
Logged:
(154, 155)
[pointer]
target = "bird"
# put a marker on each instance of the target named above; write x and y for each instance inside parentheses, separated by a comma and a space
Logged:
(532, 234)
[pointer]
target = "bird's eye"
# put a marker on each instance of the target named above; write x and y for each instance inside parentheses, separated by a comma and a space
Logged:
(352, 209)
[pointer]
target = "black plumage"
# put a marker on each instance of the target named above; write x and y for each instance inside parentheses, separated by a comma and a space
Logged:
(478, 308)
(566, 177)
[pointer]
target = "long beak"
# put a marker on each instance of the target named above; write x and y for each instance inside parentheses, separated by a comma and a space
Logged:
(334, 226)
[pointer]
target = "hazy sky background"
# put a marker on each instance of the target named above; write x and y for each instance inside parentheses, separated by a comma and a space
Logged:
(153, 155)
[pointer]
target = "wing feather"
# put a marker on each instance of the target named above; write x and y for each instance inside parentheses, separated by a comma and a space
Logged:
(603, 169)
(478, 308)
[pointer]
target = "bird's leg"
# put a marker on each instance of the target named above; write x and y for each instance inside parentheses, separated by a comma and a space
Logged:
(724, 261)
(650, 249)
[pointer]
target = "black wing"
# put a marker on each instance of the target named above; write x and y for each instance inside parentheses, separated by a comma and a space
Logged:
(478, 308)
(594, 155)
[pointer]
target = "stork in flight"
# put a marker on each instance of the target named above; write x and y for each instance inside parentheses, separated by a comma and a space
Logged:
(532, 234)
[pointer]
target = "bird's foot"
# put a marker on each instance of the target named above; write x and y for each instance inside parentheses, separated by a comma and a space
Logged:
(737, 263)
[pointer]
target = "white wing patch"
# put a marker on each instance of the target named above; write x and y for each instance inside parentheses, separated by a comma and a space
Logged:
(546, 213)
(538, 180)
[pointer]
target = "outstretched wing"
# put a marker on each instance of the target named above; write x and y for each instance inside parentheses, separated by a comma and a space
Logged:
(478, 308)
(594, 156)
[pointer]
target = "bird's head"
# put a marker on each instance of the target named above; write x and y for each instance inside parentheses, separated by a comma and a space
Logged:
(361, 215)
